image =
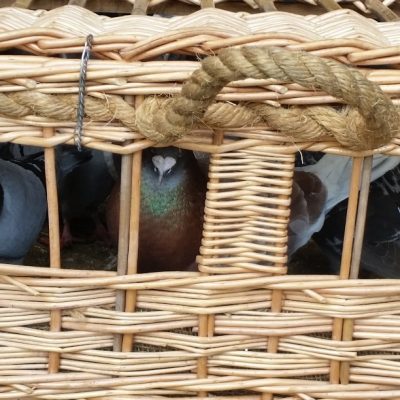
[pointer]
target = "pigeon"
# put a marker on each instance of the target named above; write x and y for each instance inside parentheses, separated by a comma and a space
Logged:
(82, 190)
(334, 172)
(307, 204)
(172, 198)
(381, 246)
(23, 207)
(23, 203)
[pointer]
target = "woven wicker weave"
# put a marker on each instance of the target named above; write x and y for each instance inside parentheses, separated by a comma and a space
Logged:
(241, 328)
(385, 10)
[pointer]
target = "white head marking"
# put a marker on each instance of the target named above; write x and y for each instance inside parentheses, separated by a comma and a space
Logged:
(162, 165)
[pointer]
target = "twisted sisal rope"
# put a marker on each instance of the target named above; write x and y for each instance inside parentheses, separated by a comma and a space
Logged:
(370, 121)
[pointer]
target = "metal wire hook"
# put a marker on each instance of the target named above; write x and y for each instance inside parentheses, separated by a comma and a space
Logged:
(82, 92)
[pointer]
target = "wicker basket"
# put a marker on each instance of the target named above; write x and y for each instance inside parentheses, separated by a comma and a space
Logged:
(240, 328)
(375, 8)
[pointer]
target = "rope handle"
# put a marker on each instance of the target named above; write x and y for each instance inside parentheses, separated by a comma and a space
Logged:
(370, 122)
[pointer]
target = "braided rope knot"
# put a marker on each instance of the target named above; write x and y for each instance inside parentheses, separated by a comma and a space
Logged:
(370, 120)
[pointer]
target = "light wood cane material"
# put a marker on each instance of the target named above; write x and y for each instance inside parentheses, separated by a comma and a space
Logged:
(376, 8)
(240, 328)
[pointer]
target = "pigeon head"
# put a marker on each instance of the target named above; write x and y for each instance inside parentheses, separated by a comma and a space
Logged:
(165, 162)
(163, 166)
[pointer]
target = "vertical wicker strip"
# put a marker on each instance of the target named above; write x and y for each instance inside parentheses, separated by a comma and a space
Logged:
(207, 3)
(266, 5)
(273, 341)
(80, 3)
(351, 217)
(123, 234)
(346, 252)
(54, 235)
(361, 217)
(380, 9)
(130, 297)
(207, 322)
(276, 307)
(329, 5)
(22, 3)
(356, 256)
(140, 7)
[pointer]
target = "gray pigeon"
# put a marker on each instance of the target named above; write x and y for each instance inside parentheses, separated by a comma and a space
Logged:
(82, 191)
(23, 203)
(22, 208)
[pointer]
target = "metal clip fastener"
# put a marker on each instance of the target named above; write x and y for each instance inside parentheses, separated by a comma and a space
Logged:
(82, 92)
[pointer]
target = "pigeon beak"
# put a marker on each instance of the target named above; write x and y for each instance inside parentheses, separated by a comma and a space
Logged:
(162, 165)
(160, 176)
